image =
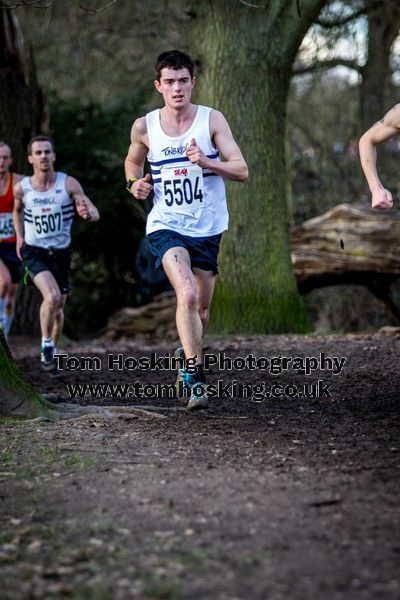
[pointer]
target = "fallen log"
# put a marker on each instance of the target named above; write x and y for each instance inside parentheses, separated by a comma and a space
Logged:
(349, 244)
(348, 241)
(155, 319)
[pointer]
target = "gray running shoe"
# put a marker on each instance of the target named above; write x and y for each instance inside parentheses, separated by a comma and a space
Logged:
(198, 397)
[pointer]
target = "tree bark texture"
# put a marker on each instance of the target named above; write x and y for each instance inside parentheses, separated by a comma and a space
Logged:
(245, 56)
(23, 114)
(22, 107)
(17, 397)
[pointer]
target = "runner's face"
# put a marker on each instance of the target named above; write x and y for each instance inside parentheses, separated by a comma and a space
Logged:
(42, 157)
(5, 159)
(175, 86)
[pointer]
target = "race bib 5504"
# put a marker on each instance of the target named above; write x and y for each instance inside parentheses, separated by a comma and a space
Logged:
(183, 188)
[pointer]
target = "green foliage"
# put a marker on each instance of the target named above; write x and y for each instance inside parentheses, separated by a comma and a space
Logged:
(91, 144)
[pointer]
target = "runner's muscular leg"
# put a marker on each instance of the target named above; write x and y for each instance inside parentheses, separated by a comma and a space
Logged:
(59, 320)
(48, 287)
(176, 263)
(205, 282)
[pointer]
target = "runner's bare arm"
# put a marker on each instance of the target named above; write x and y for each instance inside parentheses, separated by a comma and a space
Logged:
(134, 161)
(382, 131)
(18, 217)
(234, 166)
(84, 206)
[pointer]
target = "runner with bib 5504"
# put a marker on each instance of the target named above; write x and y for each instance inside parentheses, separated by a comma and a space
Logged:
(183, 144)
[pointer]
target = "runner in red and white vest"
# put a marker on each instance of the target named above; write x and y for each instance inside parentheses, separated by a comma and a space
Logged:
(44, 209)
(10, 264)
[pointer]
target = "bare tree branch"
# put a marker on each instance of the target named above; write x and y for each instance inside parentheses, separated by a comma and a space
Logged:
(327, 64)
(38, 4)
(29, 3)
(367, 8)
(254, 5)
(97, 10)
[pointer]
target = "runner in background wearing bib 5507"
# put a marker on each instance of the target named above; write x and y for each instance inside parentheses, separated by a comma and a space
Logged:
(43, 213)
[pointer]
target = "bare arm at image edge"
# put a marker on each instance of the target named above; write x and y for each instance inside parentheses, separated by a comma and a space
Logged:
(382, 131)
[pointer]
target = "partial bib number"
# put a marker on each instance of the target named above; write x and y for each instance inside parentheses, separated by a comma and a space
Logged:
(6, 226)
(47, 220)
(183, 188)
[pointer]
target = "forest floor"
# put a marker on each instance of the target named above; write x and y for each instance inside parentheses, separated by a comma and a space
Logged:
(287, 498)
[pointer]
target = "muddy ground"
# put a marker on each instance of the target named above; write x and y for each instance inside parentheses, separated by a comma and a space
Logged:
(283, 499)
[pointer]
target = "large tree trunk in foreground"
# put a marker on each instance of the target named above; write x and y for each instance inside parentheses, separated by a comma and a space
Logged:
(246, 56)
(17, 397)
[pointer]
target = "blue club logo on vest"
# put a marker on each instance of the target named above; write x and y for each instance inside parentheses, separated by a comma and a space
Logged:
(173, 151)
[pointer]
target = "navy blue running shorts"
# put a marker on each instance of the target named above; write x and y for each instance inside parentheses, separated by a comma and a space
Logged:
(203, 251)
(36, 260)
(9, 257)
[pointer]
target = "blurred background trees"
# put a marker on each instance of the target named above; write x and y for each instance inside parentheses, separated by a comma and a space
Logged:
(96, 69)
(345, 77)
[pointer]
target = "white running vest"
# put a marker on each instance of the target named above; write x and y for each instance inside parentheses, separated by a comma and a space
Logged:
(187, 199)
(48, 215)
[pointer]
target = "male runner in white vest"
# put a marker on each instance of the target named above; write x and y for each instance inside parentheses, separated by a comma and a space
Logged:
(183, 143)
(10, 264)
(43, 214)
(382, 131)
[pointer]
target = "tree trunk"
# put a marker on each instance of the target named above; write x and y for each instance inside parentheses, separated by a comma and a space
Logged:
(376, 90)
(22, 115)
(17, 397)
(245, 56)
(22, 109)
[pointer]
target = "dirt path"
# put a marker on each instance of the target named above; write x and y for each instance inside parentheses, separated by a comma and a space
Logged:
(287, 498)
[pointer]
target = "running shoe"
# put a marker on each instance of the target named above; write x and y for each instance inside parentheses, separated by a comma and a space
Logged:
(47, 359)
(198, 396)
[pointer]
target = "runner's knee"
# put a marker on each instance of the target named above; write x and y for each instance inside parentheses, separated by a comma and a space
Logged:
(187, 297)
(53, 299)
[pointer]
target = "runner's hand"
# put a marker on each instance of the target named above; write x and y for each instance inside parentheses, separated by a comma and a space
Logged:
(195, 155)
(142, 188)
(83, 210)
(382, 199)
